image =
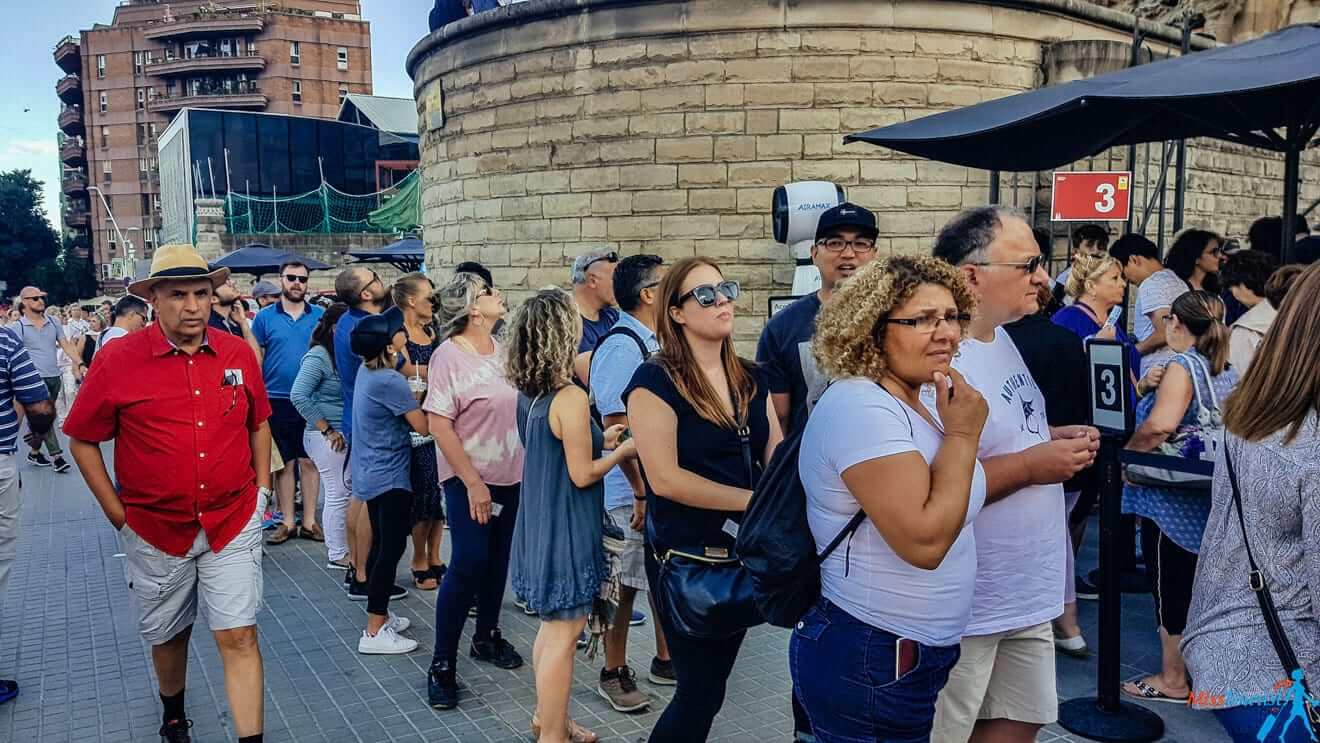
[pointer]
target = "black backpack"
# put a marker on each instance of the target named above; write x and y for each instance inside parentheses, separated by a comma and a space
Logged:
(775, 544)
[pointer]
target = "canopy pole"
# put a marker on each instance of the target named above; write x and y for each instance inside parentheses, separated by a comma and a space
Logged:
(994, 187)
(1134, 59)
(1189, 23)
(1291, 168)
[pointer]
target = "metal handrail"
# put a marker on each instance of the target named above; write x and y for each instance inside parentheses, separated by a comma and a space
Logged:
(68, 39)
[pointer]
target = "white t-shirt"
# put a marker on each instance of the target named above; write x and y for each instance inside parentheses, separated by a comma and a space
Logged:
(1156, 293)
(1021, 540)
(110, 334)
(880, 588)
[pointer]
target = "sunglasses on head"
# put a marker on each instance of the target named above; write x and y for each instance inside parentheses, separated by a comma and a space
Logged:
(611, 257)
(708, 294)
(295, 277)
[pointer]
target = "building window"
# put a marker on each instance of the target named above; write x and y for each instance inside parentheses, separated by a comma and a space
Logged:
(297, 91)
(155, 204)
(137, 63)
(100, 67)
(105, 136)
(169, 53)
(146, 204)
(141, 134)
(142, 164)
(105, 102)
(149, 243)
(141, 99)
(295, 53)
(110, 240)
(107, 174)
(153, 130)
(343, 92)
(342, 57)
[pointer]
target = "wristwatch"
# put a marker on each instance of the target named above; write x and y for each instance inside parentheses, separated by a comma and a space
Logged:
(265, 493)
(328, 430)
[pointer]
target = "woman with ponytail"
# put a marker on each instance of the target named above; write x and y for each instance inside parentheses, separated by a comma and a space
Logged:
(1198, 377)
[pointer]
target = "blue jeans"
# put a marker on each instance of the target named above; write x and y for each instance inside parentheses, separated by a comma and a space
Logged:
(478, 566)
(1243, 724)
(844, 676)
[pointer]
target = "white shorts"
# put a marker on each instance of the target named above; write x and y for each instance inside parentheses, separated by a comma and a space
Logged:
(632, 563)
(228, 583)
(1002, 676)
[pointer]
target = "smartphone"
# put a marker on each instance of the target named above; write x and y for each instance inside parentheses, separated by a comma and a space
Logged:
(625, 435)
(1114, 314)
(907, 654)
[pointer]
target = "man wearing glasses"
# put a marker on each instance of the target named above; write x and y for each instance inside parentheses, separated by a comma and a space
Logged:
(129, 315)
(593, 289)
(227, 313)
(845, 241)
(44, 338)
(281, 334)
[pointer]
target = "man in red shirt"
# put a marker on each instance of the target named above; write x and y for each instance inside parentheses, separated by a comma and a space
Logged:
(187, 411)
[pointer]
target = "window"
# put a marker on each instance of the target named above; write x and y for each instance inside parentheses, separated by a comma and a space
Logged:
(142, 164)
(169, 53)
(100, 67)
(155, 204)
(141, 99)
(137, 63)
(153, 130)
(141, 134)
(110, 239)
(105, 136)
(149, 242)
(107, 174)
(297, 91)
(295, 53)
(343, 92)
(151, 92)
(146, 204)
(105, 102)
(342, 57)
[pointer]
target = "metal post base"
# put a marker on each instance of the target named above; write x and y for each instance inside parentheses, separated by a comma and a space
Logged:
(1128, 723)
(1131, 580)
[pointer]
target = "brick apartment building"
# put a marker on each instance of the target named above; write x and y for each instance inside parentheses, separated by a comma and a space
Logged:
(125, 81)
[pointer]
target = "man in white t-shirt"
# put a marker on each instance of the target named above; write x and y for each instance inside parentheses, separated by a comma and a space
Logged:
(130, 314)
(1003, 687)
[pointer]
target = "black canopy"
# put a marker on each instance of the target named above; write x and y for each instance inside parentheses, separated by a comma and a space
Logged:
(407, 254)
(258, 259)
(1264, 93)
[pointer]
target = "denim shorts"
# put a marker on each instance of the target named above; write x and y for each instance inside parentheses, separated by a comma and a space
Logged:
(844, 676)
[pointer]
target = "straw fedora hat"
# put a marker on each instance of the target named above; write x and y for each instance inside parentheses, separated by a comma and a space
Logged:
(177, 261)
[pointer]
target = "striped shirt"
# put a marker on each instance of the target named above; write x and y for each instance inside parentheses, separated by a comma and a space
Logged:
(315, 392)
(18, 381)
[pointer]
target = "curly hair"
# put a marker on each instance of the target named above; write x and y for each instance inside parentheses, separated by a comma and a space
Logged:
(850, 339)
(542, 343)
(453, 302)
(1088, 269)
(1250, 269)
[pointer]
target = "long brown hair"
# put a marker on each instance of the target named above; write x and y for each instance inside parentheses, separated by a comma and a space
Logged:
(675, 356)
(1281, 387)
(1202, 313)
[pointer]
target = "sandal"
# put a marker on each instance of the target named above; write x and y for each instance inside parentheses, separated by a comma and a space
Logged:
(424, 581)
(281, 535)
(314, 533)
(1143, 690)
(438, 571)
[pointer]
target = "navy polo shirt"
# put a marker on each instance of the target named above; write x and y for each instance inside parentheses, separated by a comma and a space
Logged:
(285, 341)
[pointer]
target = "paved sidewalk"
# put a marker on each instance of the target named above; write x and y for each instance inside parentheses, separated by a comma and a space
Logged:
(67, 634)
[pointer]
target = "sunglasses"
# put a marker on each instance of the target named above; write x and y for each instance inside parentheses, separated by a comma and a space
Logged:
(295, 278)
(708, 294)
(1028, 266)
(611, 257)
(230, 303)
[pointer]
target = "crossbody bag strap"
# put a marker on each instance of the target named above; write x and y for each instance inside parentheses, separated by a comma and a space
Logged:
(1260, 587)
(744, 436)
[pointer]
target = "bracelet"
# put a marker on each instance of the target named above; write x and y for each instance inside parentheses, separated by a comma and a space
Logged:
(639, 497)
(328, 430)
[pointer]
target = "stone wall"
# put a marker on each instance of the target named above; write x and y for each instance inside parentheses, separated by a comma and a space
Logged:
(571, 125)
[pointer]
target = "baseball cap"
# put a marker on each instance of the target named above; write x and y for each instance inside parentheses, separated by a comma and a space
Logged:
(372, 334)
(264, 289)
(31, 292)
(849, 215)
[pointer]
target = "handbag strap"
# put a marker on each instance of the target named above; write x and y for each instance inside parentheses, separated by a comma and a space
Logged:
(1259, 586)
(1196, 362)
(744, 436)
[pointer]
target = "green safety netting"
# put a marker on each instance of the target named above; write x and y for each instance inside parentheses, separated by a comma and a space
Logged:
(326, 210)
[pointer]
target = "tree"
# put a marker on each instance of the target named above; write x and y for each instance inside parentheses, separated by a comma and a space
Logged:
(26, 237)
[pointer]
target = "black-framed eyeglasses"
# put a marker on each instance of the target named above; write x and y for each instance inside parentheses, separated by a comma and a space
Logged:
(1029, 266)
(295, 277)
(708, 294)
(838, 244)
(610, 257)
(927, 324)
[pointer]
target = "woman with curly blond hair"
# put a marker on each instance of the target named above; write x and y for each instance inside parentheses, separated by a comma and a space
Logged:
(869, 659)
(557, 561)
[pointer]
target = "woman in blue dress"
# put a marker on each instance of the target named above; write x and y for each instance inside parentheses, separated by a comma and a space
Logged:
(1184, 409)
(557, 560)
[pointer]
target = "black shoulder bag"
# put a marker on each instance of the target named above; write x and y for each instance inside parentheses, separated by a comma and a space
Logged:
(1273, 625)
(705, 591)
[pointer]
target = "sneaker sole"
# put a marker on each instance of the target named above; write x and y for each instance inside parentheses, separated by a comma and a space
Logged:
(661, 680)
(619, 707)
(1088, 597)
(62, 468)
(490, 662)
(443, 705)
(39, 464)
(357, 597)
(385, 652)
(332, 565)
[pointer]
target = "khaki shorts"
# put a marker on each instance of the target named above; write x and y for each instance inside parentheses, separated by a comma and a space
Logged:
(228, 583)
(632, 563)
(1003, 676)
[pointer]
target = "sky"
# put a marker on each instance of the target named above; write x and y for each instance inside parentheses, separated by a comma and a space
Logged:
(29, 108)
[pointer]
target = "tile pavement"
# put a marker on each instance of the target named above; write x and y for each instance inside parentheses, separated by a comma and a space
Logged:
(67, 633)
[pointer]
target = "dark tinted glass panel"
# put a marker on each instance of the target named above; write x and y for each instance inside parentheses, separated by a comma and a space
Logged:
(206, 139)
(303, 154)
(332, 152)
(273, 143)
(244, 154)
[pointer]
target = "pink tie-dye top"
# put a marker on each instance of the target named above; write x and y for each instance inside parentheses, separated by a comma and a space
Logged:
(471, 391)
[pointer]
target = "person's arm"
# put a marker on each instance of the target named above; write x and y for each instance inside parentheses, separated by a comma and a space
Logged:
(255, 334)
(1043, 464)
(417, 419)
(582, 367)
(775, 376)
(1156, 340)
(570, 420)
(451, 448)
(259, 440)
(1171, 400)
(632, 473)
(312, 373)
(87, 455)
(1309, 486)
(781, 407)
(776, 436)
(40, 416)
(655, 429)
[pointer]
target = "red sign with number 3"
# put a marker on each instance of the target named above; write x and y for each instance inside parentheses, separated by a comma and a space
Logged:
(1089, 196)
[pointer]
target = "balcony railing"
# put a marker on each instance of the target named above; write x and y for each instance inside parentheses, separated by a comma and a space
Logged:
(77, 217)
(74, 181)
(69, 89)
(73, 151)
(240, 95)
(199, 25)
(208, 62)
(68, 54)
(71, 120)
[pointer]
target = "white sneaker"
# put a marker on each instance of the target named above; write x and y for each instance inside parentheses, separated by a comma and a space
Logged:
(398, 623)
(386, 642)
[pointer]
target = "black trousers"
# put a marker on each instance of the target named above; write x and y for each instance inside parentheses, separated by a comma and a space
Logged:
(391, 523)
(1171, 570)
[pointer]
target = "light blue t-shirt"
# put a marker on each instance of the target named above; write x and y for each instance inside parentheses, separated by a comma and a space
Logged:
(612, 367)
(381, 451)
(285, 341)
